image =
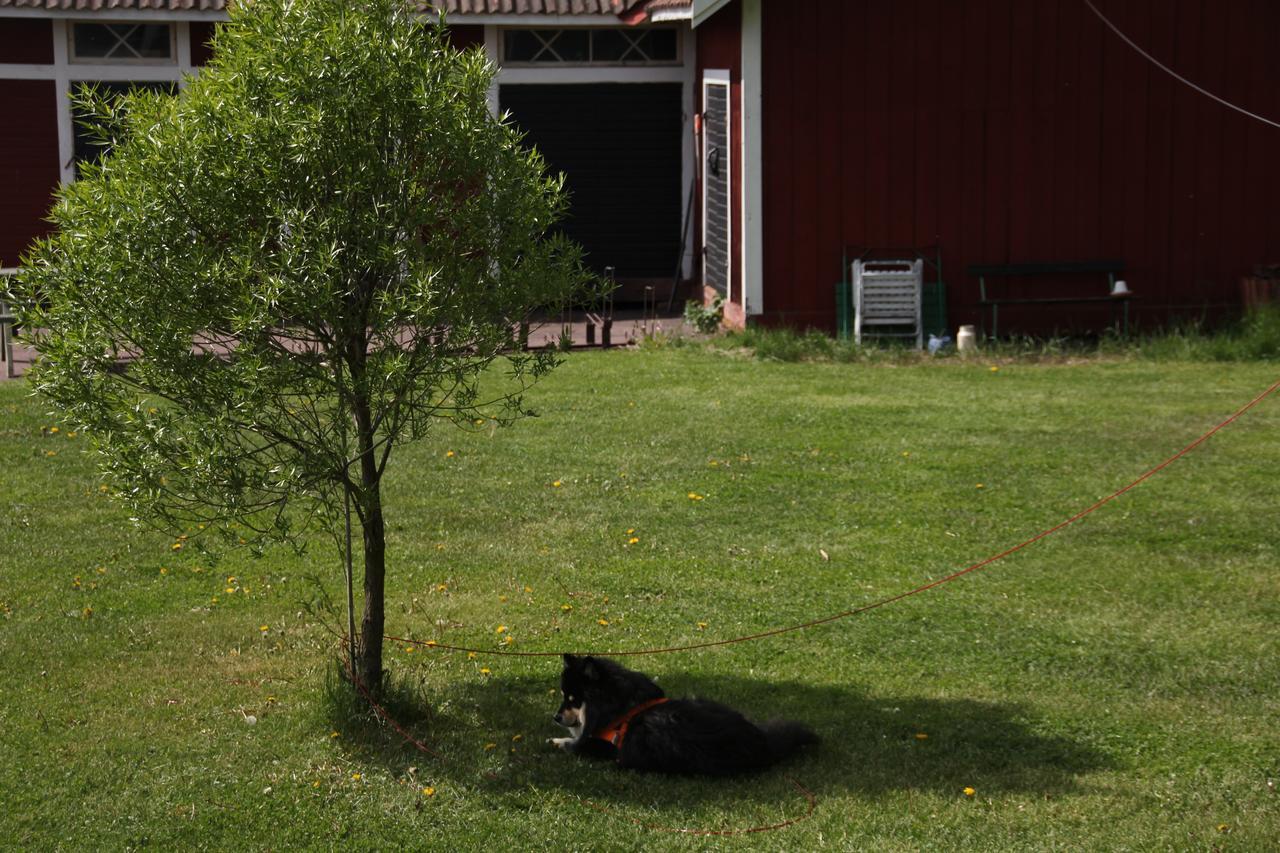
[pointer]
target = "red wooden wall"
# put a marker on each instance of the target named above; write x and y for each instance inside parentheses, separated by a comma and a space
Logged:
(28, 137)
(1013, 131)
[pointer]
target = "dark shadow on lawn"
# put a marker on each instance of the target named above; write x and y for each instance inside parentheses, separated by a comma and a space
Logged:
(869, 746)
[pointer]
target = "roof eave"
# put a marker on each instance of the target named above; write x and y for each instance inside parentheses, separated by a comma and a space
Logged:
(704, 9)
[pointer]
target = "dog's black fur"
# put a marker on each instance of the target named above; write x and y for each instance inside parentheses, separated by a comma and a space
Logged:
(690, 736)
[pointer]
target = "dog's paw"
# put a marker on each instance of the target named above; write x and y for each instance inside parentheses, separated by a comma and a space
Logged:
(560, 742)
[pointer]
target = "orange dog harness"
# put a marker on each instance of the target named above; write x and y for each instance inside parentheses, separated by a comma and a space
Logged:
(616, 731)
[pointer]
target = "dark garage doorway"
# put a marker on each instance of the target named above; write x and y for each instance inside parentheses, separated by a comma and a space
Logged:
(619, 148)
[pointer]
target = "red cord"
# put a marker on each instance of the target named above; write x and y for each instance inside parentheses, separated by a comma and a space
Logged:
(882, 602)
(808, 795)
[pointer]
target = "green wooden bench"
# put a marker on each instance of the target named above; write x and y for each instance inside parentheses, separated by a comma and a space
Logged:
(1056, 269)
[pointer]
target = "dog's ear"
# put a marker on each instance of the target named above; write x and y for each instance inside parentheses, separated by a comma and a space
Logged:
(570, 660)
(589, 668)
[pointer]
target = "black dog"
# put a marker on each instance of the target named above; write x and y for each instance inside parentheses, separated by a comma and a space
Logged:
(614, 712)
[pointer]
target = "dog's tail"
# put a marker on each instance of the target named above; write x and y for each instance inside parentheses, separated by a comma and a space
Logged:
(786, 736)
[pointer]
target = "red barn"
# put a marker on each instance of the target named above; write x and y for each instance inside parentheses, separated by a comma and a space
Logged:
(752, 147)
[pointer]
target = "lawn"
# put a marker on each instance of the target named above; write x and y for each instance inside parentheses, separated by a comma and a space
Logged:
(1111, 687)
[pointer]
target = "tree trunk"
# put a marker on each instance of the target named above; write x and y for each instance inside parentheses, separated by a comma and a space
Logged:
(368, 663)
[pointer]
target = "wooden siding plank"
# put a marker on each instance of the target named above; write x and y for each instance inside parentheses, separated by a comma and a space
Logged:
(901, 126)
(1132, 202)
(1023, 177)
(1235, 130)
(926, 39)
(1159, 153)
(779, 156)
(1186, 106)
(972, 142)
(853, 124)
(1066, 167)
(828, 43)
(961, 292)
(880, 54)
(1211, 118)
(805, 88)
(999, 133)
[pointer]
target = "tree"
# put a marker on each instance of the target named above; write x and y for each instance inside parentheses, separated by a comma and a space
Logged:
(309, 257)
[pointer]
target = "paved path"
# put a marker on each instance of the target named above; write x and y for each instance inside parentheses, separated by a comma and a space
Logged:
(629, 327)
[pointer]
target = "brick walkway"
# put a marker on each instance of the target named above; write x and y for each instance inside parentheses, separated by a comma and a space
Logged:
(629, 327)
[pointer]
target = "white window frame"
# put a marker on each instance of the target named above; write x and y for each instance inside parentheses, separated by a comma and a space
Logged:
(171, 59)
(590, 63)
(719, 77)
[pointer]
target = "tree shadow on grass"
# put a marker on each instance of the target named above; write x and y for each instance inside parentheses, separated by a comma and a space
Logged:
(493, 734)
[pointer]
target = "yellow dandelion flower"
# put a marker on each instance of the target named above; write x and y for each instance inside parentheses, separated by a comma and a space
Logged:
(528, 589)
(630, 530)
(53, 430)
(484, 670)
(264, 628)
(694, 496)
(517, 738)
(333, 734)
(490, 746)
(603, 623)
(508, 640)
(449, 454)
(431, 643)
(229, 590)
(502, 629)
(556, 484)
(51, 453)
(566, 607)
(428, 792)
(103, 488)
(356, 777)
(441, 587)
(471, 655)
(980, 486)
(408, 650)
(163, 570)
(702, 626)
(86, 613)
(315, 784)
(994, 368)
(922, 736)
(969, 792)
(1222, 827)
(502, 598)
(439, 546)
(633, 540)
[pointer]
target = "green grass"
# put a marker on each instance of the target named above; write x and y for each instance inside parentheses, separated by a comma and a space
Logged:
(1114, 687)
(1253, 337)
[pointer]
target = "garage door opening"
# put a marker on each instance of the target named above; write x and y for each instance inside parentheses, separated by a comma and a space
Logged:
(619, 148)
